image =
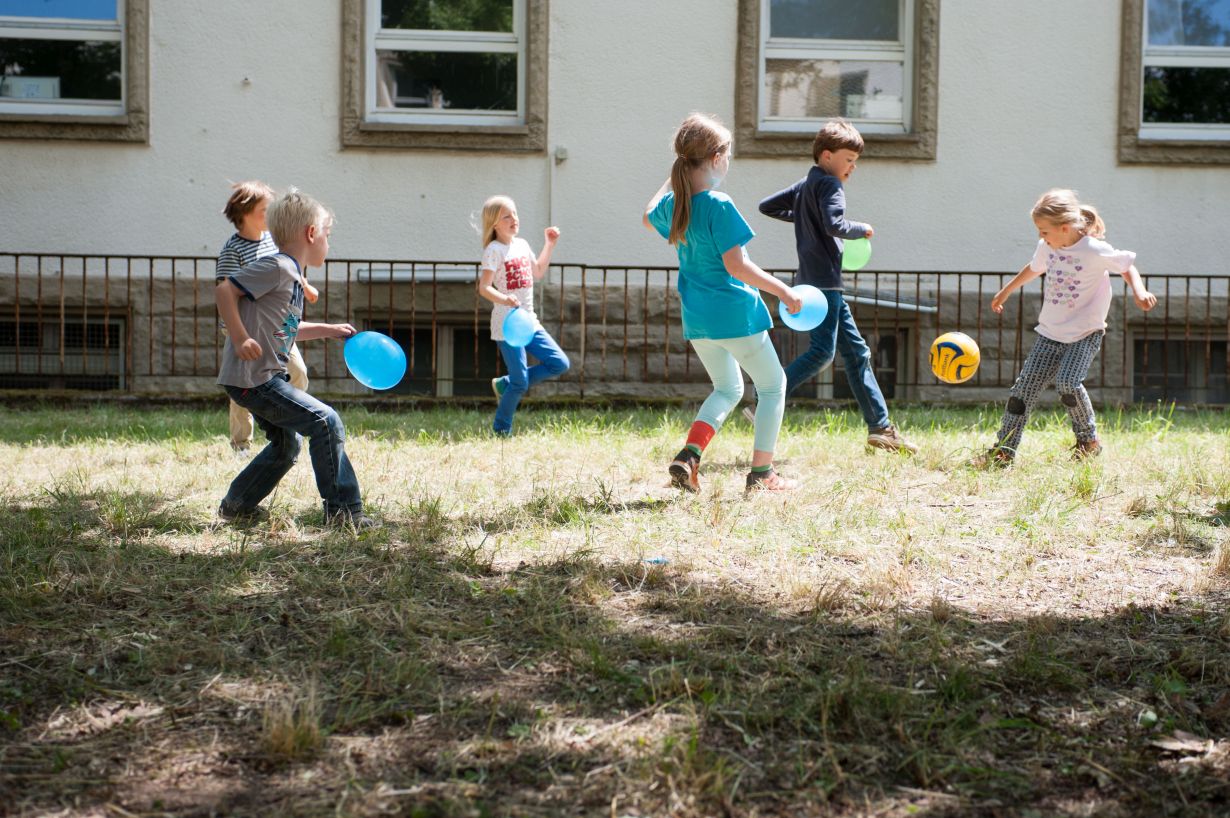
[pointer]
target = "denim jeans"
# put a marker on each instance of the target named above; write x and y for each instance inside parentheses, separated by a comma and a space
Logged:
(839, 331)
(552, 363)
(284, 413)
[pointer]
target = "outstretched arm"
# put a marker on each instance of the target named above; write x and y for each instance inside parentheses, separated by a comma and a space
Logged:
(1144, 299)
(1018, 281)
(781, 204)
(309, 331)
(550, 237)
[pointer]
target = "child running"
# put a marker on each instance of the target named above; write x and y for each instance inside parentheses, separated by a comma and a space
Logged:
(1075, 302)
(508, 272)
(723, 315)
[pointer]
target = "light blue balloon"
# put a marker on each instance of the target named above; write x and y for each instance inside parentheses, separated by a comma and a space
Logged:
(815, 308)
(375, 360)
(519, 327)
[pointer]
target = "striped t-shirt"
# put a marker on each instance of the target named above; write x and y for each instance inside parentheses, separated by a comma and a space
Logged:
(239, 252)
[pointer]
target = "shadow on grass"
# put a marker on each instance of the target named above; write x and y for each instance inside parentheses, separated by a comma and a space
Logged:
(399, 672)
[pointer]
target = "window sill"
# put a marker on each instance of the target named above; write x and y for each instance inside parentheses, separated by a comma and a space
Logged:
(129, 127)
(909, 146)
(530, 138)
(1136, 150)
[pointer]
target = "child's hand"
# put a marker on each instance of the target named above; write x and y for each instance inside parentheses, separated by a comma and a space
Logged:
(551, 234)
(871, 231)
(997, 301)
(511, 300)
(1145, 300)
(793, 302)
(249, 350)
(310, 293)
(342, 330)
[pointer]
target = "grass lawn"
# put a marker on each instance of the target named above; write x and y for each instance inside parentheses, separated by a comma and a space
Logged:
(542, 627)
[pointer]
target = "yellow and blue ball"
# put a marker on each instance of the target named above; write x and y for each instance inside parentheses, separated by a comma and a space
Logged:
(954, 357)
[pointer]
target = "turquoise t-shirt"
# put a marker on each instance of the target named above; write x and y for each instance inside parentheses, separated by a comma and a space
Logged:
(715, 303)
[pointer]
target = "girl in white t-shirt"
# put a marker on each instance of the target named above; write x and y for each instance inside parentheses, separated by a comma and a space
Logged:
(508, 271)
(1076, 299)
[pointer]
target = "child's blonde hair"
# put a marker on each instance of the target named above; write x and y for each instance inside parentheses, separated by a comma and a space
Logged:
(293, 212)
(492, 208)
(835, 135)
(245, 196)
(1060, 206)
(696, 142)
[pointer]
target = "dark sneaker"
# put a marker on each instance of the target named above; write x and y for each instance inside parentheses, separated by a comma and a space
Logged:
(352, 519)
(891, 440)
(769, 481)
(242, 516)
(1085, 449)
(685, 471)
(994, 457)
(499, 386)
(749, 413)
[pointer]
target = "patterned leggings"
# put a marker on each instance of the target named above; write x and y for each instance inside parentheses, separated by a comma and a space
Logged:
(1067, 365)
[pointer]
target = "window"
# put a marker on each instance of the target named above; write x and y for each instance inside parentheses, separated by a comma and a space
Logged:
(802, 62)
(452, 361)
(1182, 371)
(1176, 95)
(445, 75)
(73, 69)
(71, 353)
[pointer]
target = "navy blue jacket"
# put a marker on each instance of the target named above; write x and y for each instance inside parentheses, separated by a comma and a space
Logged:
(816, 205)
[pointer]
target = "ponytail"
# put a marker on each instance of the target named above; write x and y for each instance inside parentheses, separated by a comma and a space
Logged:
(697, 140)
(1094, 226)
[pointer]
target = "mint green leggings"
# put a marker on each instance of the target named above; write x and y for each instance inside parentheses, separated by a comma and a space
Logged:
(722, 358)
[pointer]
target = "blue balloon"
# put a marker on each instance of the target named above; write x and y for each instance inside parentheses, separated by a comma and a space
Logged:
(375, 360)
(815, 308)
(519, 327)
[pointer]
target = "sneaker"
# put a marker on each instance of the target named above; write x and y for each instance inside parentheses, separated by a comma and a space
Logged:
(1085, 449)
(245, 516)
(769, 481)
(749, 414)
(352, 519)
(499, 386)
(994, 457)
(685, 471)
(890, 439)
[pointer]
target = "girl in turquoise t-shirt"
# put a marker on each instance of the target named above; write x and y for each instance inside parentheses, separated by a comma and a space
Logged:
(723, 315)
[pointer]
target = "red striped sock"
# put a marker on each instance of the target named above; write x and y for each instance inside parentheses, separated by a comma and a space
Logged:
(699, 436)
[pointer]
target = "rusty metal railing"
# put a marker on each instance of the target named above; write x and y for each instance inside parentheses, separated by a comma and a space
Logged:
(146, 324)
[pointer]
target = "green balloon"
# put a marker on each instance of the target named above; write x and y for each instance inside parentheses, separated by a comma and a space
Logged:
(856, 254)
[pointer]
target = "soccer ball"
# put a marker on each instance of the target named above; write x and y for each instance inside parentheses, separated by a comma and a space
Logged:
(954, 357)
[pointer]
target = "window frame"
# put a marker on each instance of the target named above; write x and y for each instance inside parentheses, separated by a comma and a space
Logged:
(915, 138)
(365, 126)
(126, 121)
(1161, 143)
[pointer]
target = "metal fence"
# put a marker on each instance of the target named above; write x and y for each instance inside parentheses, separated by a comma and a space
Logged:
(148, 325)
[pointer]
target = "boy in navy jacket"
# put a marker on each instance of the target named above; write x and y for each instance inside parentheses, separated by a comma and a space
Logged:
(816, 205)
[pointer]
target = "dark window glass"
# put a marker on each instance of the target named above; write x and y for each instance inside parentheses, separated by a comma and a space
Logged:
(834, 19)
(447, 80)
(71, 9)
(1183, 371)
(883, 361)
(1187, 95)
(1189, 22)
(419, 349)
(474, 360)
(447, 15)
(60, 69)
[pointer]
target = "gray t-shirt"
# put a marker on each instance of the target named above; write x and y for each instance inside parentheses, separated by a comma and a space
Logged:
(270, 309)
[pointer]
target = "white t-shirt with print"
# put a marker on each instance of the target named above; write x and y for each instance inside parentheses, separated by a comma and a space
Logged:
(1076, 295)
(513, 265)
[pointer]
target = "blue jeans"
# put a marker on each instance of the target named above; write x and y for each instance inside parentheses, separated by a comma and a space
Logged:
(839, 330)
(283, 413)
(552, 363)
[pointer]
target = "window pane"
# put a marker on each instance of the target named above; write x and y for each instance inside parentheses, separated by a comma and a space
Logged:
(828, 88)
(1189, 22)
(60, 69)
(447, 80)
(447, 15)
(75, 9)
(1188, 95)
(834, 19)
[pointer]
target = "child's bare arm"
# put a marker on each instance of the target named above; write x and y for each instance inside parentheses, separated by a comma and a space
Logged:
(487, 290)
(309, 331)
(1144, 299)
(227, 296)
(657, 197)
(550, 236)
(1018, 281)
(744, 269)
